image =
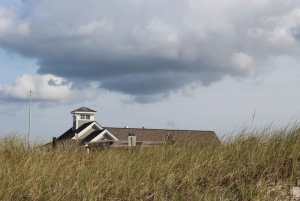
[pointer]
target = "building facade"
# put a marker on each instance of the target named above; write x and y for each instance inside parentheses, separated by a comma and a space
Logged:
(86, 130)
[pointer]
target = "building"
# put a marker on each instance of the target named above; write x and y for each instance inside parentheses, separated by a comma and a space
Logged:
(86, 130)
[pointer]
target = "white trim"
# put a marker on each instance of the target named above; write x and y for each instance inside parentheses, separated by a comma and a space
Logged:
(102, 134)
(114, 137)
(78, 117)
(83, 112)
(87, 128)
(98, 136)
(98, 125)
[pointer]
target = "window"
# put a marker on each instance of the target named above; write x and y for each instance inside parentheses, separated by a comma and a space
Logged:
(82, 116)
(87, 116)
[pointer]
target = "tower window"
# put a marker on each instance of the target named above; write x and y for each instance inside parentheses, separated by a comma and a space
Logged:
(82, 116)
(87, 116)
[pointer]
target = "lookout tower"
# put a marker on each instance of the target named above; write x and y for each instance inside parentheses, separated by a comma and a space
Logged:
(82, 115)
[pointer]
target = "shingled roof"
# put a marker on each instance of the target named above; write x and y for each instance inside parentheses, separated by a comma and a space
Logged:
(70, 133)
(143, 134)
(83, 109)
(89, 130)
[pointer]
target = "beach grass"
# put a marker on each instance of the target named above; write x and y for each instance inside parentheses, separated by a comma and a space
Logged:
(250, 165)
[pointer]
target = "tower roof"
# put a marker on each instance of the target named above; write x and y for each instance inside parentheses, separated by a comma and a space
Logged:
(83, 109)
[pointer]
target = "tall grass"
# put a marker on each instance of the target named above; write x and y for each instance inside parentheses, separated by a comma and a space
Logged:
(260, 165)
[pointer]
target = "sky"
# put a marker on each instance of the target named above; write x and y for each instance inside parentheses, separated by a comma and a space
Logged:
(186, 64)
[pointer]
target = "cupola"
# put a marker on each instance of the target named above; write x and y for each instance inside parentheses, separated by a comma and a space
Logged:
(82, 115)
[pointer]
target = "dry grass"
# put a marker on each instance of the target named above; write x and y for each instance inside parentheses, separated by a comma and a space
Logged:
(245, 167)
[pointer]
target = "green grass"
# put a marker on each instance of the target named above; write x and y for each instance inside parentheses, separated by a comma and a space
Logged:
(254, 165)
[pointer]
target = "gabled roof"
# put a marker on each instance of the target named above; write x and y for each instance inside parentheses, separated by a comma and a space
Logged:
(83, 109)
(92, 136)
(160, 134)
(66, 135)
(106, 134)
(87, 132)
(70, 133)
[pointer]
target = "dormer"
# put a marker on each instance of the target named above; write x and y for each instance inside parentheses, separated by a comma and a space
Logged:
(82, 115)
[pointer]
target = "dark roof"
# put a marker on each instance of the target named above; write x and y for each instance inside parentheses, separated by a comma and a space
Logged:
(66, 134)
(70, 133)
(84, 109)
(91, 136)
(83, 126)
(159, 134)
(143, 134)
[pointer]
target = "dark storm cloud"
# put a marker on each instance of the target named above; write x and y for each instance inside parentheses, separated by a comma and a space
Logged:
(101, 69)
(295, 32)
(147, 49)
(152, 84)
(53, 82)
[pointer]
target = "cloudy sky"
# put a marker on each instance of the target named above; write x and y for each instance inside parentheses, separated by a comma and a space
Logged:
(181, 64)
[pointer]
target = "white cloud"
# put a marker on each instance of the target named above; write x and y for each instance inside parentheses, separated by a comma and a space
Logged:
(242, 61)
(281, 35)
(47, 91)
(40, 87)
(10, 25)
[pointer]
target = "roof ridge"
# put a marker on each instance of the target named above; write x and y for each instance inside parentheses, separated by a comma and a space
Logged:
(161, 129)
(84, 109)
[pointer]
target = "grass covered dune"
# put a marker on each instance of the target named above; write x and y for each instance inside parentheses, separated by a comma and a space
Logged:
(258, 165)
